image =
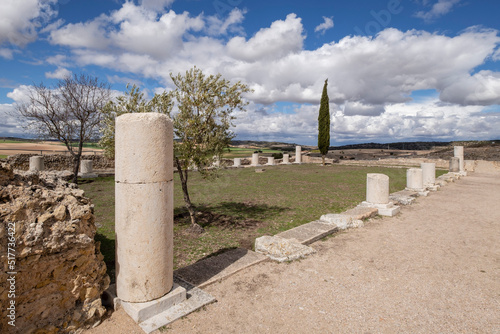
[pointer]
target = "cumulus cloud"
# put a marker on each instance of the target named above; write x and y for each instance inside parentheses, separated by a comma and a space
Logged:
(440, 8)
(59, 73)
(21, 19)
(216, 26)
(327, 24)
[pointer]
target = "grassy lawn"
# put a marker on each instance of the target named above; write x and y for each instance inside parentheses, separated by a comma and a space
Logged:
(2, 156)
(242, 205)
(238, 152)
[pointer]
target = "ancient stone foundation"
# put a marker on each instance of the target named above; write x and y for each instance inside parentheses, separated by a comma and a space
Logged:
(59, 272)
(377, 195)
(36, 163)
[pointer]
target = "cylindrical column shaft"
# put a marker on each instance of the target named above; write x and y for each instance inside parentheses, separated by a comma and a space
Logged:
(144, 206)
(428, 173)
(298, 154)
(270, 161)
(237, 162)
(377, 188)
(36, 163)
(414, 178)
(286, 158)
(459, 153)
(455, 165)
(255, 159)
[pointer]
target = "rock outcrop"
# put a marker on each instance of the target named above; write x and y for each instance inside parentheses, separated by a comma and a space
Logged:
(59, 273)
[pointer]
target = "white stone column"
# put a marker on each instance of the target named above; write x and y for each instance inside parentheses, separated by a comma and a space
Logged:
(255, 159)
(428, 173)
(377, 188)
(36, 164)
(377, 195)
(459, 153)
(414, 179)
(237, 162)
(286, 159)
(144, 206)
(86, 167)
(270, 161)
(455, 165)
(298, 154)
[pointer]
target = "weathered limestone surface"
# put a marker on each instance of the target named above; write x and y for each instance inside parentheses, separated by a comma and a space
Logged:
(455, 165)
(428, 173)
(237, 162)
(270, 161)
(280, 249)
(298, 154)
(459, 153)
(36, 163)
(377, 188)
(286, 159)
(414, 179)
(144, 206)
(86, 166)
(60, 269)
(255, 159)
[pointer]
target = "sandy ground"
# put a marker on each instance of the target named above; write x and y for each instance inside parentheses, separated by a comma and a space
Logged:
(35, 148)
(434, 268)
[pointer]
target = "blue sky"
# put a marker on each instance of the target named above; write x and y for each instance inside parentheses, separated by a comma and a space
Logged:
(398, 70)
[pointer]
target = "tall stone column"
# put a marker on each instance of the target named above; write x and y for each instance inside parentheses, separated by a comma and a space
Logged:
(414, 179)
(36, 163)
(144, 206)
(459, 153)
(298, 154)
(255, 159)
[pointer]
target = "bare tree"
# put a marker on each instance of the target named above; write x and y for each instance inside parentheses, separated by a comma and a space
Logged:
(69, 112)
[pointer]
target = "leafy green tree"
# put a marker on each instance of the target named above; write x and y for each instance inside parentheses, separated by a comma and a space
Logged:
(69, 112)
(202, 124)
(132, 101)
(324, 123)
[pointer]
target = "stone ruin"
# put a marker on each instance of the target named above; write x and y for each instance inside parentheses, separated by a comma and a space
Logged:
(59, 272)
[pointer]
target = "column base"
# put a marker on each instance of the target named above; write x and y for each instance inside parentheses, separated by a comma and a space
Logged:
(388, 209)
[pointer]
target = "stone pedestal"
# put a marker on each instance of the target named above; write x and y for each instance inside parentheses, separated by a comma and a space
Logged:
(286, 159)
(270, 161)
(86, 169)
(429, 175)
(377, 195)
(255, 159)
(415, 181)
(144, 206)
(459, 153)
(36, 163)
(455, 165)
(298, 154)
(237, 162)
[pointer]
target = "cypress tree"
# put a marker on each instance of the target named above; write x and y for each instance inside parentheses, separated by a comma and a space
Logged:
(324, 123)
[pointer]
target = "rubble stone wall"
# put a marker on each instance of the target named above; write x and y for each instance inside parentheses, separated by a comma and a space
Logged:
(59, 270)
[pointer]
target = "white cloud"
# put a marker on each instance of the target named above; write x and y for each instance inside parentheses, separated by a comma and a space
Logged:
(327, 24)
(279, 40)
(21, 19)
(59, 73)
(216, 26)
(440, 8)
(6, 53)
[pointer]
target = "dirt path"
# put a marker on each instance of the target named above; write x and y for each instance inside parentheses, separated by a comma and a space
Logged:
(435, 268)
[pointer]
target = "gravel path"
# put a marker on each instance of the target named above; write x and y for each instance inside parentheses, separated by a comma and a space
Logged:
(435, 268)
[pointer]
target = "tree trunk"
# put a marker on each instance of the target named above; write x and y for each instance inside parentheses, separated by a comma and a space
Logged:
(323, 157)
(183, 174)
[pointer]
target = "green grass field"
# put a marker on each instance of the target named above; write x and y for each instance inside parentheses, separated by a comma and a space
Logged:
(2, 156)
(242, 205)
